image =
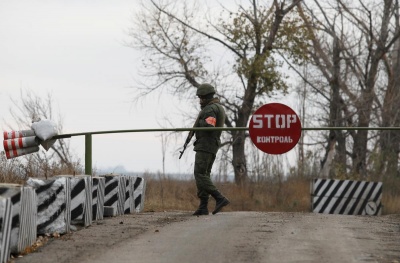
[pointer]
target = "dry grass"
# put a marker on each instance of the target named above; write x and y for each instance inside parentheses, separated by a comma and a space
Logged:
(391, 196)
(391, 203)
(17, 170)
(292, 195)
(166, 194)
(170, 194)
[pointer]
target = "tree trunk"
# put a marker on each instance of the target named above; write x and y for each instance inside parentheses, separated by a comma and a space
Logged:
(364, 106)
(238, 138)
(239, 158)
(361, 139)
(335, 157)
(390, 140)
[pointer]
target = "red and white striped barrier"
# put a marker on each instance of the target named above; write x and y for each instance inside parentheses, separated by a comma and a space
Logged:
(18, 134)
(21, 152)
(18, 143)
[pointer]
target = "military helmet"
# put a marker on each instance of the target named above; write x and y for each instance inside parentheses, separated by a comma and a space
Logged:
(205, 89)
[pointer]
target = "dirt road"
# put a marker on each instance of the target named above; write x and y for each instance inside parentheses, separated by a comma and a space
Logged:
(228, 237)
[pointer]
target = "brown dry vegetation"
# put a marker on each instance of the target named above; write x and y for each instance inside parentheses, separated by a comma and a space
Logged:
(17, 170)
(292, 195)
(167, 194)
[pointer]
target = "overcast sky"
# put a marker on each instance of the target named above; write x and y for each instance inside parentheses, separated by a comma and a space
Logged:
(75, 51)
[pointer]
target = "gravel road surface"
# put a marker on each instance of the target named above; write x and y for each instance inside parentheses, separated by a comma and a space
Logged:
(228, 237)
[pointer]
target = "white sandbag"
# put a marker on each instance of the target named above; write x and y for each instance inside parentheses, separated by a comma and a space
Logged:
(45, 129)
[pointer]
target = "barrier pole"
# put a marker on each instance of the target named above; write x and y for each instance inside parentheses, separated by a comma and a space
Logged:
(88, 154)
(88, 135)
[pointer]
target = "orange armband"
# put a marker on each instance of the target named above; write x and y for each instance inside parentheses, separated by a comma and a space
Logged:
(211, 120)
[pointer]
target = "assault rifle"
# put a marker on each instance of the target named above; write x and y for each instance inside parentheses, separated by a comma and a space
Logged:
(189, 137)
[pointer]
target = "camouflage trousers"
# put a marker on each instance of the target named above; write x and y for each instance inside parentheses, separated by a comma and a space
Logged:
(202, 174)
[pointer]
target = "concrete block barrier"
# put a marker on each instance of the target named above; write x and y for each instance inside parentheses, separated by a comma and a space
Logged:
(89, 201)
(129, 200)
(81, 199)
(121, 195)
(28, 217)
(346, 197)
(53, 204)
(46, 206)
(98, 184)
(111, 192)
(5, 228)
(24, 213)
(139, 190)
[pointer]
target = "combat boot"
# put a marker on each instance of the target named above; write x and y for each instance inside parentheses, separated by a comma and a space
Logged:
(220, 201)
(203, 209)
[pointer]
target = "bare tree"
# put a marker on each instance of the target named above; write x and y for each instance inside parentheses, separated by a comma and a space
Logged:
(350, 44)
(28, 108)
(178, 57)
(390, 107)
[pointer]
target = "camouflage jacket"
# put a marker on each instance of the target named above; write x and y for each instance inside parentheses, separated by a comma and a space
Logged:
(212, 115)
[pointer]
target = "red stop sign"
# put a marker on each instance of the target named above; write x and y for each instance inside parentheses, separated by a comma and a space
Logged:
(275, 128)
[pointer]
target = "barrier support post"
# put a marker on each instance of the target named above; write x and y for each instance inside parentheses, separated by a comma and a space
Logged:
(88, 154)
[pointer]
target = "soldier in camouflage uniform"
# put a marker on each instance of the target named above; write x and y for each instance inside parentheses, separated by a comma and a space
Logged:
(212, 114)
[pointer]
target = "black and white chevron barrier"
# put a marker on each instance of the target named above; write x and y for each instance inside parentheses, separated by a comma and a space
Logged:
(24, 213)
(111, 194)
(53, 204)
(81, 199)
(121, 195)
(98, 189)
(139, 189)
(5, 227)
(346, 197)
(129, 205)
(88, 200)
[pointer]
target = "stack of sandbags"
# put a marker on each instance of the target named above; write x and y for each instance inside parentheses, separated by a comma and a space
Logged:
(18, 143)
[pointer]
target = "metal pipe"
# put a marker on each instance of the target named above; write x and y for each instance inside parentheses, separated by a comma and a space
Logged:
(61, 136)
(88, 135)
